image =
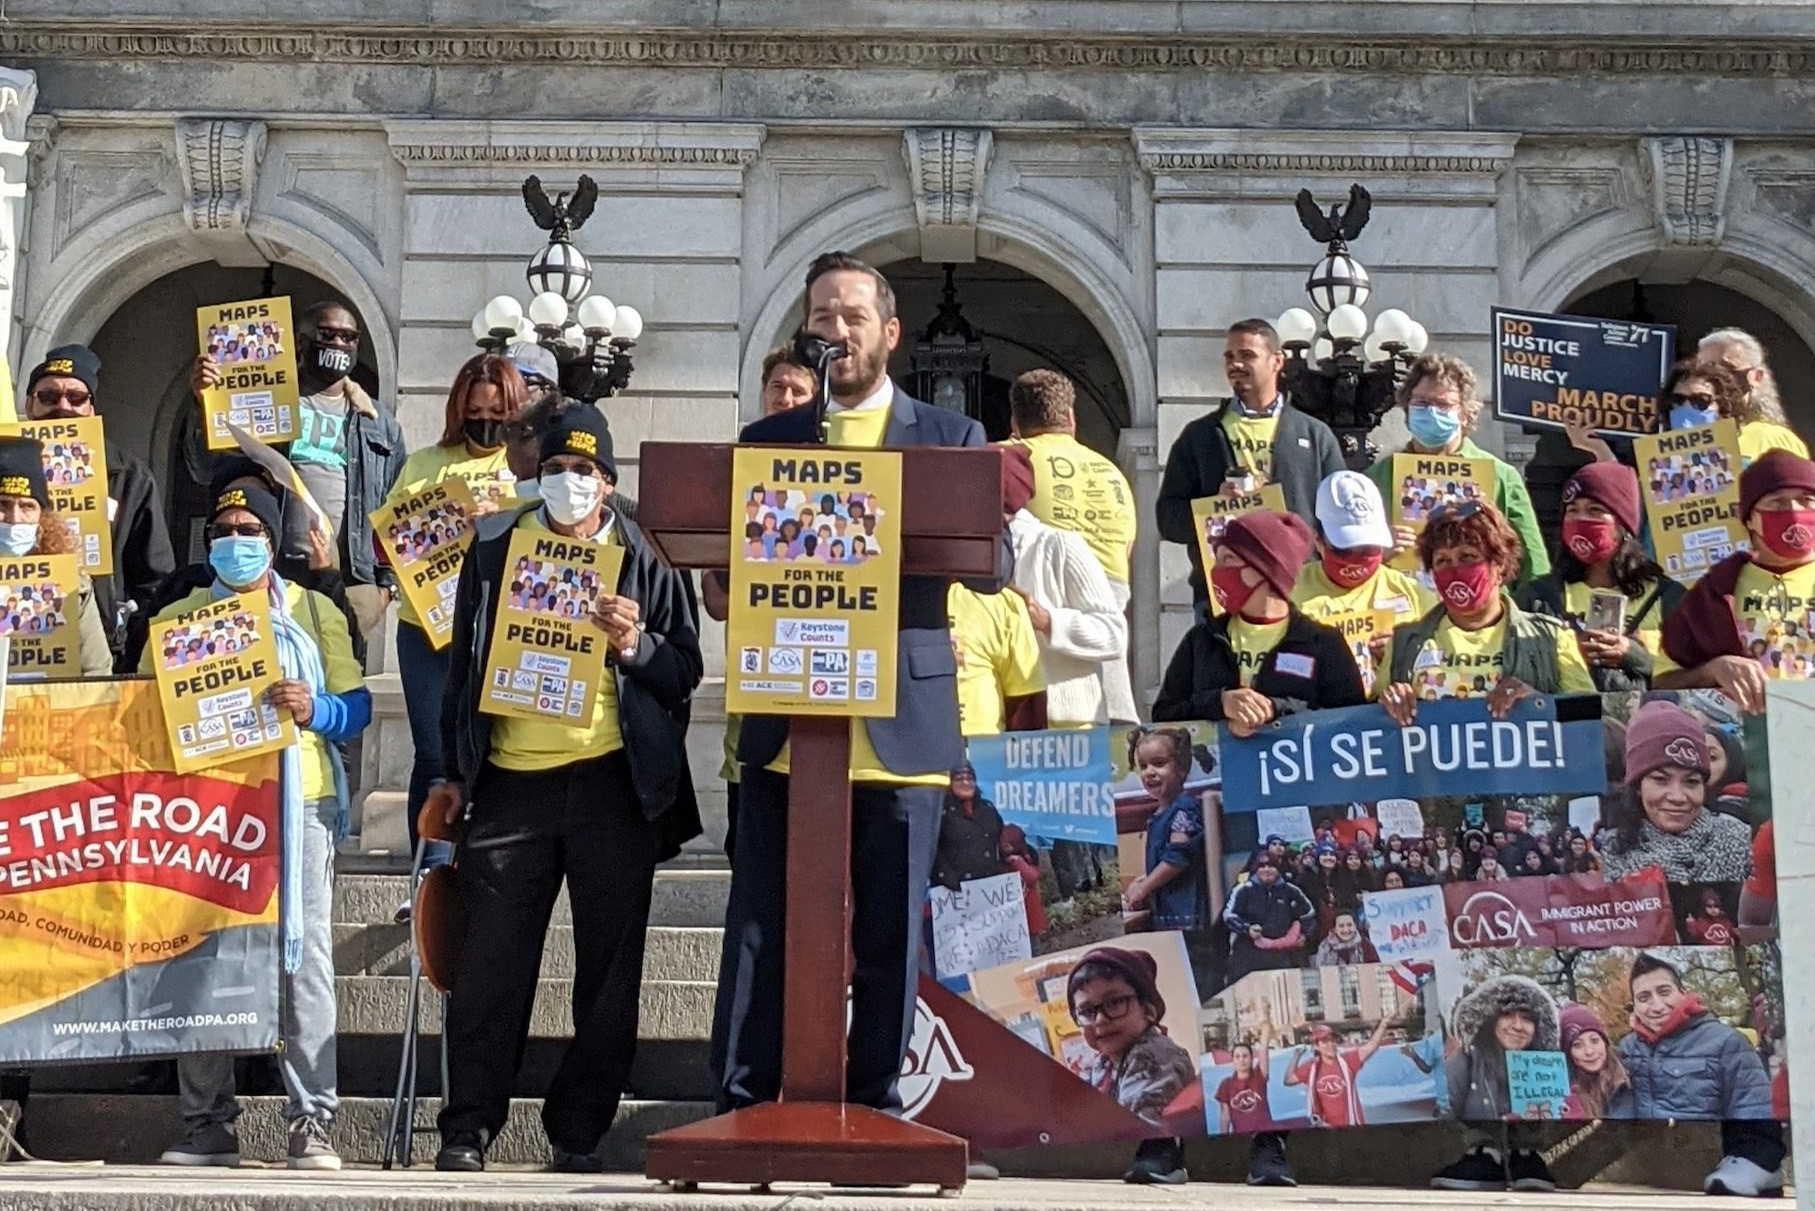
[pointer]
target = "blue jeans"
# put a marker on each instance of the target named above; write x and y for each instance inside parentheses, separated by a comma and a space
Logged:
(424, 674)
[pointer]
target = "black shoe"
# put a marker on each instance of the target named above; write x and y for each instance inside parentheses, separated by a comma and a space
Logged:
(1267, 1164)
(576, 1162)
(1158, 1163)
(1479, 1170)
(1529, 1173)
(462, 1153)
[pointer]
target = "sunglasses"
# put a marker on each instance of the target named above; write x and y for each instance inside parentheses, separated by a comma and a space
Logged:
(48, 396)
(245, 529)
(344, 336)
(1699, 399)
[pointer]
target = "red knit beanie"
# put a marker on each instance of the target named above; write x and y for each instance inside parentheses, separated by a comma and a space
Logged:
(1661, 735)
(1017, 478)
(1615, 486)
(1140, 969)
(1274, 544)
(1777, 469)
(1576, 1021)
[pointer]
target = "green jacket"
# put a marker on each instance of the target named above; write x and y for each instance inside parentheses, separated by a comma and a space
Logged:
(1531, 646)
(1510, 497)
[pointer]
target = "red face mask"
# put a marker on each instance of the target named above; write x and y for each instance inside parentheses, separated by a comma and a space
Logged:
(1788, 533)
(1591, 539)
(1232, 592)
(1466, 587)
(1351, 570)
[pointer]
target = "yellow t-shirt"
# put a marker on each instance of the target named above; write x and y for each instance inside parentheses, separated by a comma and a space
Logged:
(1077, 489)
(1575, 603)
(857, 429)
(1757, 437)
(1388, 591)
(528, 745)
(436, 465)
(1777, 619)
(1252, 641)
(1466, 664)
(1252, 439)
(734, 724)
(337, 663)
(998, 654)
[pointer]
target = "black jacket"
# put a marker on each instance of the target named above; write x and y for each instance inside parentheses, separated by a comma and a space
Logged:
(655, 687)
(142, 558)
(1205, 665)
(1304, 451)
(1547, 595)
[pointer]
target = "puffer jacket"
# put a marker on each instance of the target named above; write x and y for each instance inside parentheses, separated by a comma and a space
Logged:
(1476, 1075)
(1705, 1070)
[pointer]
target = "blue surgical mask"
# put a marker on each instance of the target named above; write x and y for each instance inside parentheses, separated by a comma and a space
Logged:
(18, 538)
(1433, 428)
(1688, 416)
(239, 560)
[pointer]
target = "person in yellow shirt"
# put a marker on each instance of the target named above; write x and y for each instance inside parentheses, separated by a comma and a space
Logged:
(1349, 585)
(487, 395)
(1477, 642)
(1762, 423)
(323, 691)
(1000, 688)
(1075, 488)
(596, 804)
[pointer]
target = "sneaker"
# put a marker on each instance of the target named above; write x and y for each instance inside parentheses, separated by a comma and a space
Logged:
(463, 1152)
(214, 1144)
(1158, 1163)
(1267, 1164)
(1741, 1178)
(1479, 1170)
(981, 1171)
(576, 1162)
(309, 1145)
(1529, 1173)
(403, 913)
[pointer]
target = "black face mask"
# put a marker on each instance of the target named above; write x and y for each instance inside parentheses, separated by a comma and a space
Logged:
(329, 360)
(485, 434)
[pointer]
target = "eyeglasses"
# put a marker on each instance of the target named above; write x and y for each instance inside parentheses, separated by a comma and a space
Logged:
(574, 466)
(48, 396)
(1455, 510)
(244, 529)
(1114, 1009)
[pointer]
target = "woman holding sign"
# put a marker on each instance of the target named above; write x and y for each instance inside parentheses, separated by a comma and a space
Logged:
(28, 527)
(323, 690)
(1505, 1014)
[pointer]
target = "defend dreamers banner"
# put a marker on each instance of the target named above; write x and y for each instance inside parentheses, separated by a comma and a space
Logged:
(1055, 785)
(138, 905)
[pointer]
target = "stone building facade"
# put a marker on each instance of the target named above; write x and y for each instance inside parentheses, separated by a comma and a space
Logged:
(1113, 176)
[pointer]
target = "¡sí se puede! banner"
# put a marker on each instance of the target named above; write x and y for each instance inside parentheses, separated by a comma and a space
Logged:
(254, 344)
(547, 656)
(213, 667)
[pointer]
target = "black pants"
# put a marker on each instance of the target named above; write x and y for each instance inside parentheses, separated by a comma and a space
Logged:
(527, 832)
(1757, 1140)
(894, 833)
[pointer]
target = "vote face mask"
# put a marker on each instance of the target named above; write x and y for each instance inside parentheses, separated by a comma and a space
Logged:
(1788, 533)
(239, 560)
(485, 434)
(1433, 428)
(1351, 569)
(1688, 416)
(1590, 539)
(18, 538)
(1466, 587)
(571, 497)
(1232, 591)
(329, 360)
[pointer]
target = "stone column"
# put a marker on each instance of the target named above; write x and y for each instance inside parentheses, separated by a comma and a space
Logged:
(1138, 454)
(18, 94)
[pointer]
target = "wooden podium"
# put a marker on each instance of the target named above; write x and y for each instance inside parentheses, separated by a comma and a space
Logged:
(951, 525)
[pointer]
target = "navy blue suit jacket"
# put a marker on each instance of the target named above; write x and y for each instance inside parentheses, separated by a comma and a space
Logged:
(923, 735)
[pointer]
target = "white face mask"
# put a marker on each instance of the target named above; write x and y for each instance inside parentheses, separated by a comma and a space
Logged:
(570, 497)
(18, 537)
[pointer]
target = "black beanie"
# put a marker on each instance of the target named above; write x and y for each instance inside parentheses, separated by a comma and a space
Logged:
(69, 361)
(581, 431)
(255, 500)
(22, 469)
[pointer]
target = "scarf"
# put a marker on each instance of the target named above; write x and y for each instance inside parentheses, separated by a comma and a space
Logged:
(300, 658)
(1689, 1007)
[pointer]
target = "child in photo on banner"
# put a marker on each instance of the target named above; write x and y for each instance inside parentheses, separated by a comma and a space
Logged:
(1114, 997)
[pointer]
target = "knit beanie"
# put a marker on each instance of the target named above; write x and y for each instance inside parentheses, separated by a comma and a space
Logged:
(1663, 734)
(1274, 544)
(1776, 469)
(1576, 1021)
(1140, 969)
(69, 361)
(1017, 478)
(260, 502)
(581, 431)
(22, 469)
(1613, 485)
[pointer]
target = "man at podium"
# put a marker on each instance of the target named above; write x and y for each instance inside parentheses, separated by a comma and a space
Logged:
(900, 766)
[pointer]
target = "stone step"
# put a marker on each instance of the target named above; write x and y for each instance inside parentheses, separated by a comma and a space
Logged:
(669, 1009)
(129, 1129)
(670, 952)
(693, 899)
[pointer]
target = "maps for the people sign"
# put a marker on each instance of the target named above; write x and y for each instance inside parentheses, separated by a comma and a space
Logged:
(1556, 370)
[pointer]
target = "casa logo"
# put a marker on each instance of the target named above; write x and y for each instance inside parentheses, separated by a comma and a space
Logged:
(1329, 1086)
(1490, 919)
(1684, 752)
(932, 1059)
(1582, 546)
(1459, 594)
(1245, 1102)
(1798, 535)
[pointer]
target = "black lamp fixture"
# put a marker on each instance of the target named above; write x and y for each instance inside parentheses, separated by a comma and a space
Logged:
(1335, 369)
(949, 360)
(590, 337)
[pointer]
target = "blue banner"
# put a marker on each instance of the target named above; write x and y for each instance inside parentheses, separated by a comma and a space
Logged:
(1453, 747)
(1553, 370)
(1055, 785)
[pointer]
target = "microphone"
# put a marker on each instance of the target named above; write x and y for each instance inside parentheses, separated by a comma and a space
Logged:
(819, 353)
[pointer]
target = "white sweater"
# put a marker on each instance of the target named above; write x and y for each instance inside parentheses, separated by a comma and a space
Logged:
(1085, 658)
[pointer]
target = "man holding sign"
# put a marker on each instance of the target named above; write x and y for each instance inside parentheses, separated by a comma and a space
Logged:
(595, 792)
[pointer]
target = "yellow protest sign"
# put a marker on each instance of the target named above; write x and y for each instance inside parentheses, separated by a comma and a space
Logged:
(426, 534)
(1211, 515)
(815, 577)
(1359, 630)
(75, 467)
(1424, 483)
(254, 344)
(1691, 482)
(213, 667)
(38, 615)
(546, 655)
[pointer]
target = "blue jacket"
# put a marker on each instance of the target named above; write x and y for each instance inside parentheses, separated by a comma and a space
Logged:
(922, 737)
(1183, 903)
(1706, 1070)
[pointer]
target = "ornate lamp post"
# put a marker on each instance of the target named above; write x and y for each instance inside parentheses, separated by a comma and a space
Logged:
(949, 360)
(1335, 369)
(590, 337)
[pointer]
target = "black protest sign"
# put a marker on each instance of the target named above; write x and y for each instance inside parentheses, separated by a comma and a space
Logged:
(1557, 370)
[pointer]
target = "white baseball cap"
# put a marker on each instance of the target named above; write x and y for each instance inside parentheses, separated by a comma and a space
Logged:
(1350, 512)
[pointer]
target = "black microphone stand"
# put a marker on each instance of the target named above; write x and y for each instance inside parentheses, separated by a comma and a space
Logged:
(819, 354)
